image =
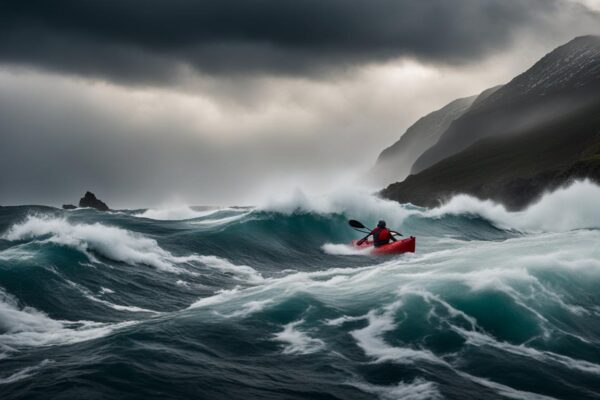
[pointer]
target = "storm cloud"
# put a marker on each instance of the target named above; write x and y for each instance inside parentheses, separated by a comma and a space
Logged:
(229, 102)
(155, 41)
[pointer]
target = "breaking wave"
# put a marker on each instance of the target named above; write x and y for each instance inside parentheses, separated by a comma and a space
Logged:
(568, 208)
(27, 327)
(111, 242)
(494, 303)
(176, 213)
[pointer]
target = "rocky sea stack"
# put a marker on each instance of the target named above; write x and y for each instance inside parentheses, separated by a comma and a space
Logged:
(90, 200)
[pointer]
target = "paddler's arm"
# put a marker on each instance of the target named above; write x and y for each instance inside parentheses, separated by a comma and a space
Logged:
(361, 241)
(394, 233)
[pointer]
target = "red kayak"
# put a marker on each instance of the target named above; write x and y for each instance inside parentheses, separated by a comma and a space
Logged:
(401, 246)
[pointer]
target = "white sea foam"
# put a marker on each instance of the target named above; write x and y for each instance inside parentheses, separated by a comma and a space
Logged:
(250, 307)
(298, 342)
(478, 265)
(220, 297)
(342, 320)
(246, 273)
(111, 242)
(88, 294)
(353, 203)
(344, 250)
(176, 213)
(370, 340)
(435, 299)
(418, 389)
(221, 221)
(512, 267)
(26, 326)
(482, 339)
(15, 253)
(565, 209)
(568, 208)
(119, 307)
(24, 373)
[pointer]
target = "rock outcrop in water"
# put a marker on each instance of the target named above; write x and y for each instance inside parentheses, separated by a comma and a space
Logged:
(90, 200)
(69, 207)
(536, 133)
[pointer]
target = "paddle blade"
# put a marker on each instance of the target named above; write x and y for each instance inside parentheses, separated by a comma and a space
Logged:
(356, 224)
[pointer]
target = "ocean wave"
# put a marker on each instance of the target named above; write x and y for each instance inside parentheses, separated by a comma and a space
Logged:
(298, 342)
(88, 294)
(565, 209)
(16, 253)
(504, 390)
(418, 389)
(370, 340)
(29, 327)
(547, 357)
(111, 242)
(344, 250)
(245, 272)
(222, 221)
(25, 373)
(449, 287)
(178, 213)
(353, 203)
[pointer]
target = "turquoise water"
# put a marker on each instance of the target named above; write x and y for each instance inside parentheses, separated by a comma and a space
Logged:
(269, 303)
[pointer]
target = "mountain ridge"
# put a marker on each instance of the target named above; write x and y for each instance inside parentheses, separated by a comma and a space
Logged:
(552, 138)
(527, 100)
(395, 161)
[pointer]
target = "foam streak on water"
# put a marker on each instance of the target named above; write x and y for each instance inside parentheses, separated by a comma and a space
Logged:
(272, 303)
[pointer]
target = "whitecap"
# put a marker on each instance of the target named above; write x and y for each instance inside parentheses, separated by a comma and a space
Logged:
(177, 213)
(29, 327)
(565, 209)
(352, 202)
(418, 389)
(298, 342)
(243, 272)
(221, 221)
(345, 250)
(370, 340)
(114, 243)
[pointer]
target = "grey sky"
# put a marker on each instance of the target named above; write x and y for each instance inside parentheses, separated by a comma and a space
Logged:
(226, 102)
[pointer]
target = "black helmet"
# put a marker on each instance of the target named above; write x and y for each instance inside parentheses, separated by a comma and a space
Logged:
(381, 224)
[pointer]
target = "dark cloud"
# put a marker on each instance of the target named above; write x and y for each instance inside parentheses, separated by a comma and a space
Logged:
(60, 137)
(149, 41)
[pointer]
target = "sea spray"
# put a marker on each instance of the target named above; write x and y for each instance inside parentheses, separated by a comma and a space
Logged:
(493, 304)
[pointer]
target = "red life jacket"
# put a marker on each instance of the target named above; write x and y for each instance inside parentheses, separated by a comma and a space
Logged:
(381, 236)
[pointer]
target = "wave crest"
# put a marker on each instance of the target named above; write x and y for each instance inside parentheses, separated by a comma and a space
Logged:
(175, 213)
(29, 327)
(114, 243)
(565, 209)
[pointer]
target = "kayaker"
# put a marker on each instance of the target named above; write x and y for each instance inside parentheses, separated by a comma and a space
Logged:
(381, 235)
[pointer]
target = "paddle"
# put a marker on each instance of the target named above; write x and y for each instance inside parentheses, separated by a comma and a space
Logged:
(357, 225)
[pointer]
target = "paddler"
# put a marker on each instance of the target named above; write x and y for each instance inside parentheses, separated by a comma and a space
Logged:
(381, 235)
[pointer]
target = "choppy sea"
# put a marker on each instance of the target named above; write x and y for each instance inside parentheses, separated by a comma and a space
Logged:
(269, 302)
